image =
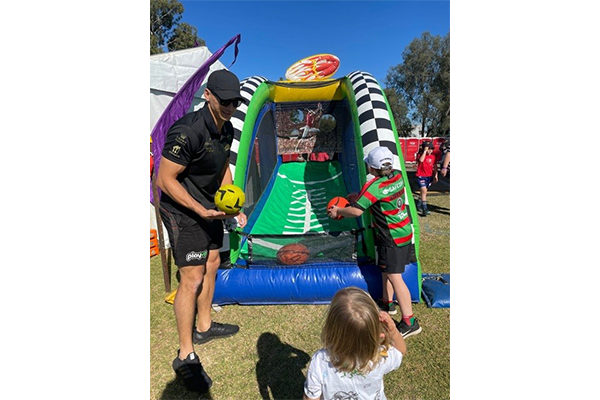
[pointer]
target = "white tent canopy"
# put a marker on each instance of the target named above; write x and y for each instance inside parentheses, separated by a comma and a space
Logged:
(169, 72)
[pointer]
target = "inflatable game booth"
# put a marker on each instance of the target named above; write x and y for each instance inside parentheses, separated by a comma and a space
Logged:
(298, 144)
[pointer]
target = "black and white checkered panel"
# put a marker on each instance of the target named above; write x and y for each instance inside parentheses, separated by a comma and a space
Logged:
(247, 88)
(373, 115)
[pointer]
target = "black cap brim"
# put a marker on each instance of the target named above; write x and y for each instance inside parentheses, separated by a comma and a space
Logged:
(229, 95)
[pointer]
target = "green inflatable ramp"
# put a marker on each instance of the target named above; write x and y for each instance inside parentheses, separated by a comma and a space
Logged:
(296, 211)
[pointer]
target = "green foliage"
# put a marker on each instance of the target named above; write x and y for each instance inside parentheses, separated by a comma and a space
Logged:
(399, 111)
(154, 48)
(184, 36)
(166, 31)
(423, 81)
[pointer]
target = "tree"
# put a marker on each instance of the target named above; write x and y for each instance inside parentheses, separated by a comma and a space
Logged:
(399, 111)
(423, 81)
(184, 36)
(166, 29)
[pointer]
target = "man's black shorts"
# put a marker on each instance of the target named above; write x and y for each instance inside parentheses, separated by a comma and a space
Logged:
(393, 259)
(191, 238)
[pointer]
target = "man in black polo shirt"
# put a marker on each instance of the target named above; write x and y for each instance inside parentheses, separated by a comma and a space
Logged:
(195, 163)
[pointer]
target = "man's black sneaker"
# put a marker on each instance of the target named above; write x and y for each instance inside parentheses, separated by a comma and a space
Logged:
(390, 308)
(215, 331)
(191, 372)
(408, 330)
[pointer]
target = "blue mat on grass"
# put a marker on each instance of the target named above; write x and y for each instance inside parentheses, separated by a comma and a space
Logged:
(436, 290)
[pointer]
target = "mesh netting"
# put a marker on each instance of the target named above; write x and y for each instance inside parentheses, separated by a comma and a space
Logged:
(339, 247)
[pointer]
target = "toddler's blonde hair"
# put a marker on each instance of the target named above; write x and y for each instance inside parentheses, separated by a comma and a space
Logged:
(352, 331)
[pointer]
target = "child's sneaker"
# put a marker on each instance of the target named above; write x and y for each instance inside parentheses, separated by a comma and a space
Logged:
(408, 330)
(390, 308)
(191, 372)
(419, 206)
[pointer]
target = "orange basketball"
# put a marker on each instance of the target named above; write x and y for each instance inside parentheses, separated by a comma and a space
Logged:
(293, 254)
(340, 202)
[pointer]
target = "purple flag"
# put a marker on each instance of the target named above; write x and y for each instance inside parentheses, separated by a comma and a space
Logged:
(182, 101)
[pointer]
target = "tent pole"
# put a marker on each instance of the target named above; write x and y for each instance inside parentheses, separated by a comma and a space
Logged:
(161, 241)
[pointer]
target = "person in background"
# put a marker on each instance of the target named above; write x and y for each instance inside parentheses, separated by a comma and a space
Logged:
(445, 170)
(426, 174)
(360, 345)
(195, 163)
(385, 195)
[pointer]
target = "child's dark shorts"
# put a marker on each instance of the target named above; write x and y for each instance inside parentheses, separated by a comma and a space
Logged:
(192, 238)
(424, 181)
(393, 259)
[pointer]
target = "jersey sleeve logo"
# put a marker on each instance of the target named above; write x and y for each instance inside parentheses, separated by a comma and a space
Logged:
(182, 138)
(175, 150)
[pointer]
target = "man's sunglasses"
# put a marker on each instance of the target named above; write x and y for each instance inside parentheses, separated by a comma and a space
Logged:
(226, 103)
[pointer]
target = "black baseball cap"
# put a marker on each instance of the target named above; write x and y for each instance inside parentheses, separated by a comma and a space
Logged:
(225, 85)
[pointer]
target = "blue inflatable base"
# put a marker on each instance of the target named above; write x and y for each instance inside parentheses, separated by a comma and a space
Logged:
(311, 284)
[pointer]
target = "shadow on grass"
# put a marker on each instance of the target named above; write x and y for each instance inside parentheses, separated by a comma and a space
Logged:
(439, 210)
(176, 390)
(432, 207)
(279, 368)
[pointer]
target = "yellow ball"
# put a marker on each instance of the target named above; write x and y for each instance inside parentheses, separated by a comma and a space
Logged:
(230, 199)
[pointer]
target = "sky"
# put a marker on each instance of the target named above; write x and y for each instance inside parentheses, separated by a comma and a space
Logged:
(368, 36)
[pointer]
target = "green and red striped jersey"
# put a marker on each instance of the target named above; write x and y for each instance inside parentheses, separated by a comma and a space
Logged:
(387, 199)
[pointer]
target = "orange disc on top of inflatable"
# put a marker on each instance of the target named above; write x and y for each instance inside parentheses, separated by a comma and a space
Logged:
(313, 68)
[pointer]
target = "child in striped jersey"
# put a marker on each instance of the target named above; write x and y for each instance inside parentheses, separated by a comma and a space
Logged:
(385, 195)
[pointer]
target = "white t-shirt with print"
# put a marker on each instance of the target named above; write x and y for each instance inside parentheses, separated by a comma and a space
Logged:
(323, 379)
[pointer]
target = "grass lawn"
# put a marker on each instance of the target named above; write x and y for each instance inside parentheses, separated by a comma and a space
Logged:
(269, 356)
